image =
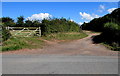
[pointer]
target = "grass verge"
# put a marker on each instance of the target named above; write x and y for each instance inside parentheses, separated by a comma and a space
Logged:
(90, 32)
(16, 43)
(112, 47)
(65, 36)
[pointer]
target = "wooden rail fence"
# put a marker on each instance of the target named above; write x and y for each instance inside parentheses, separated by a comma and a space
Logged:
(25, 31)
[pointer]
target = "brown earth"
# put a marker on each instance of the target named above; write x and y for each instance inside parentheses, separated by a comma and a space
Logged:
(83, 46)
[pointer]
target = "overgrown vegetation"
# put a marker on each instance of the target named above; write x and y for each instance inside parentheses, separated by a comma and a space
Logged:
(109, 25)
(59, 25)
(7, 21)
(59, 29)
(48, 26)
(65, 36)
(16, 43)
(4, 33)
(97, 24)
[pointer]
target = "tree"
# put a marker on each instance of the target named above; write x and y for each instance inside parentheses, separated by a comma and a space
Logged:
(7, 21)
(20, 21)
(4, 33)
(97, 24)
(58, 25)
(36, 23)
(28, 23)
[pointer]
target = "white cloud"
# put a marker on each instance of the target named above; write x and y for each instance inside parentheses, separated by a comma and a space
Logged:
(86, 21)
(80, 23)
(95, 16)
(71, 20)
(88, 16)
(39, 16)
(101, 8)
(111, 9)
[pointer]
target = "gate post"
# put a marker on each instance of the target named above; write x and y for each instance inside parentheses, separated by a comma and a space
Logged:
(39, 31)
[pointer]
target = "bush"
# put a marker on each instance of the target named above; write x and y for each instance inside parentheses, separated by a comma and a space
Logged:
(59, 25)
(13, 44)
(7, 21)
(65, 36)
(110, 26)
(111, 32)
(97, 24)
(110, 36)
(5, 33)
(16, 43)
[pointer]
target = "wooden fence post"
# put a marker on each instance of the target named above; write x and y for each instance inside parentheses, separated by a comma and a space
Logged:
(39, 31)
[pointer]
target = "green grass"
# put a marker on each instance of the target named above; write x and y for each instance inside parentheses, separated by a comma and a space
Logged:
(90, 32)
(112, 47)
(16, 43)
(0, 48)
(65, 36)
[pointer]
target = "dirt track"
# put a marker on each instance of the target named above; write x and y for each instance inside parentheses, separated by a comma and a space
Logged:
(83, 46)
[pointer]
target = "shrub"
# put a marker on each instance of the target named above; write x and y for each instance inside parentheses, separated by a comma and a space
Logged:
(5, 33)
(97, 24)
(112, 31)
(59, 25)
(110, 36)
(110, 26)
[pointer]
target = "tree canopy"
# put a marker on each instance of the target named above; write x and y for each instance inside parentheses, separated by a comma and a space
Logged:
(109, 25)
(48, 26)
(97, 24)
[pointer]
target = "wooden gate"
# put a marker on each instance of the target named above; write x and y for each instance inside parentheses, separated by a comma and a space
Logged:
(25, 31)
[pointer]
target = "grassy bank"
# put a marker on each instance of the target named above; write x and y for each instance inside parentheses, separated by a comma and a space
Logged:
(112, 47)
(104, 40)
(16, 43)
(65, 36)
(90, 32)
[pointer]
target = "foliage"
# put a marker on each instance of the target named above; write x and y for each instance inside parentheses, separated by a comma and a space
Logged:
(7, 21)
(28, 23)
(97, 24)
(16, 43)
(59, 25)
(109, 25)
(20, 21)
(112, 32)
(5, 33)
(35, 23)
(110, 37)
(65, 36)
(47, 26)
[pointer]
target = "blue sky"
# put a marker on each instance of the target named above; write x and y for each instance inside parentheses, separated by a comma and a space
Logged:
(77, 11)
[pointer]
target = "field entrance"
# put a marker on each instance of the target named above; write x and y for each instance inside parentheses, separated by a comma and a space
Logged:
(25, 31)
